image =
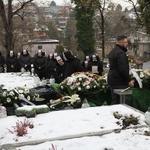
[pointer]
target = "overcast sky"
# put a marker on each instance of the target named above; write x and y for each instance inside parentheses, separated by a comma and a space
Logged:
(58, 2)
(64, 2)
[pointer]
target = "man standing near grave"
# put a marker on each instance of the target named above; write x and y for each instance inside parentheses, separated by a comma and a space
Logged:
(118, 76)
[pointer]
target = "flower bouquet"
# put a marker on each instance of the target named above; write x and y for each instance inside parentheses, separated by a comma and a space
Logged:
(141, 90)
(11, 96)
(83, 82)
(66, 102)
(142, 78)
(86, 85)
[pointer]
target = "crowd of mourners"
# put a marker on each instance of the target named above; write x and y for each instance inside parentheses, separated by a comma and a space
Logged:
(53, 65)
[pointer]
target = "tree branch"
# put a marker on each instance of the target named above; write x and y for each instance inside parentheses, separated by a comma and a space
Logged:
(134, 7)
(22, 6)
(97, 22)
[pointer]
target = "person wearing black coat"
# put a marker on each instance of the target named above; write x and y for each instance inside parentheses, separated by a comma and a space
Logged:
(72, 64)
(18, 62)
(40, 64)
(60, 69)
(11, 62)
(2, 62)
(51, 66)
(118, 75)
(96, 66)
(25, 60)
(86, 63)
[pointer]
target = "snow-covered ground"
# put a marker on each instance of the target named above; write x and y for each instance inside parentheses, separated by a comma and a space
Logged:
(76, 129)
(12, 80)
(70, 130)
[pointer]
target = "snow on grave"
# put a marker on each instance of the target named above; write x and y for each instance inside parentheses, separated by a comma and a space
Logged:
(90, 128)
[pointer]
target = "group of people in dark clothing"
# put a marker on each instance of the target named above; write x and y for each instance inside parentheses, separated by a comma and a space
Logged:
(58, 67)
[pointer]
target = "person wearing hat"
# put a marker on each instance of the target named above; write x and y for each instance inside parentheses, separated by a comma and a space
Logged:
(18, 63)
(60, 69)
(40, 64)
(25, 60)
(55, 55)
(72, 64)
(11, 62)
(86, 63)
(50, 57)
(51, 66)
(96, 65)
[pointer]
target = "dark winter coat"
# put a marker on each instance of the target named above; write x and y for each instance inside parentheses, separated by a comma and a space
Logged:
(86, 67)
(60, 73)
(25, 60)
(40, 66)
(73, 65)
(99, 64)
(11, 61)
(51, 68)
(119, 67)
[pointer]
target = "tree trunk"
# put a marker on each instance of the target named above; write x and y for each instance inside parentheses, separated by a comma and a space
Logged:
(7, 24)
(103, 33)
(7, 21)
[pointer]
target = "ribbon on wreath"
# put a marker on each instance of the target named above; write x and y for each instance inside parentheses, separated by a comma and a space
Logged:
(65, 99)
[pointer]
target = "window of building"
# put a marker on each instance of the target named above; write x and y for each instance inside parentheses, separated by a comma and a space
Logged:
(39, 47)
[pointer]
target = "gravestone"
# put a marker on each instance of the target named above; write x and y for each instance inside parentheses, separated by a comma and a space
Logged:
(146, 65)
(3, 113)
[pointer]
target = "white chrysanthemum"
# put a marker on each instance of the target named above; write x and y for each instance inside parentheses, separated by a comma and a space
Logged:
(79, 88)
(103, 86)
(16, 97)
(28, 97)
(148, 73)
(83, 84)
(4, 94)
(8, 100)
(94, 86)
(20, 91)
(87, 87)
(80, 79)
(141, 75)
(9, 89)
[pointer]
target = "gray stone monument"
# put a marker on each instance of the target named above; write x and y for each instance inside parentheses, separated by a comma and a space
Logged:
(3, 112)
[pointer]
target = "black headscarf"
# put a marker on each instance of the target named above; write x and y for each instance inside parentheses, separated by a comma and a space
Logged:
(69, 56)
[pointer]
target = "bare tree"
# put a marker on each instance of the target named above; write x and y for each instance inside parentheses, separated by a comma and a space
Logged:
(142, 12)
(8, 13)
(101, 6)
